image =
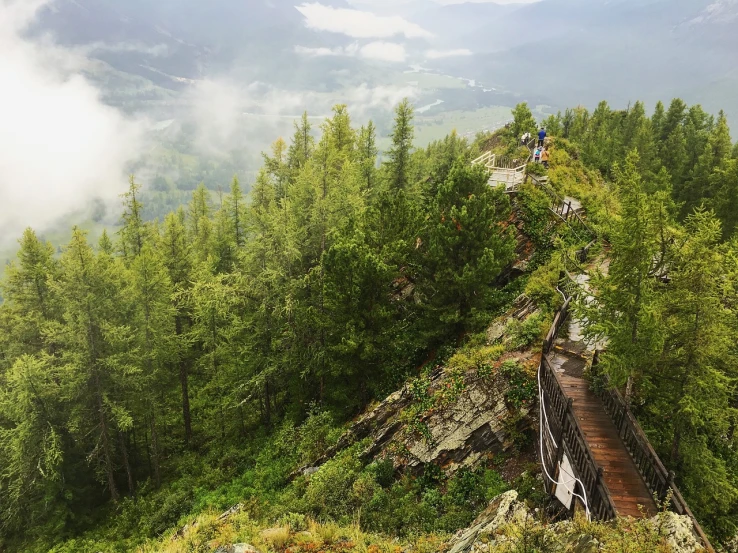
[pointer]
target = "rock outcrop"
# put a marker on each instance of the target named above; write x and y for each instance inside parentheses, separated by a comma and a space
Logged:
(507, 520)
(478, 422)
(502, 510)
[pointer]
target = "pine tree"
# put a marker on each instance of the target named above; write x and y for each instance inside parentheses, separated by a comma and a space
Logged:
(640, 253)
(98, 353)
(277, 166)
(466, 246)
(302, 145)
(398, 164)
(200, 226)
(32, 446)
(691, 393)
(150, 292)
(367, 158)
(176, 252)
(30, 302)
(133, 233)
(523, 121)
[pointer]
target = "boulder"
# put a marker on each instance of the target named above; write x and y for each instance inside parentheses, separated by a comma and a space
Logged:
(678, 531)
(481, 535)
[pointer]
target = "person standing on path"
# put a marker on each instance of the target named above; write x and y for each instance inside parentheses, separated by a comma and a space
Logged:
(544, 157)
(537, 155)
(541, 136)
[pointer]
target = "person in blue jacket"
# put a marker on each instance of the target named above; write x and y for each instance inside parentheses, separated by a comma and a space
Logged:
(541, 136)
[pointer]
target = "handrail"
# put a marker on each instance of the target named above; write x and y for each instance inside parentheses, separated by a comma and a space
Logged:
(572, 441)
(655, 475)
(559, 415)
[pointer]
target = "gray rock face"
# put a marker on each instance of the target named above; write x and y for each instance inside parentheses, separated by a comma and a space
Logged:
(476, 425)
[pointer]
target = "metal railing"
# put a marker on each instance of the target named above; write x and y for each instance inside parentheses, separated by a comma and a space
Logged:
(570, 438)
(658, 480)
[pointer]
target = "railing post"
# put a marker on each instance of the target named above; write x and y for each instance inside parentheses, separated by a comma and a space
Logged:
(596, 496)
(562, 431)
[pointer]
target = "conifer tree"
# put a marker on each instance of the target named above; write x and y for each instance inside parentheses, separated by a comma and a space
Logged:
(302, 145)
(176, 253)
(367, 157)
(32, 445)
(639, 255)
(30, 301)
(277, 165)
(523, 121)
(398, 162)
(691, 392)
(98, 353)
(466, 246)
(132, 235)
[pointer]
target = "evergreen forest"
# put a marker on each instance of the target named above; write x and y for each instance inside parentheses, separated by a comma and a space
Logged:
(186, 365)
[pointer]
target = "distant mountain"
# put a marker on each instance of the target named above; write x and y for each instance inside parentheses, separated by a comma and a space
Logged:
(580, 51)
(173, 41)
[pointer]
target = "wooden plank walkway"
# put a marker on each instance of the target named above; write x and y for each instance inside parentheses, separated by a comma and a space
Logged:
(627, 488)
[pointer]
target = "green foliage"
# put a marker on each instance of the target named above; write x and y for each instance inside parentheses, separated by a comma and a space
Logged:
(521, 334)
(196, 363)
(523, 121)
(541, 287)
(523, 386)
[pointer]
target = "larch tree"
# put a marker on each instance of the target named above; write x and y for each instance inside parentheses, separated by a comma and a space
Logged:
(397, 165)
(176, 254)
(98, 352)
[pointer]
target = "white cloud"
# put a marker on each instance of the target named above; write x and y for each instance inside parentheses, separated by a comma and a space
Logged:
(377, 50)
(439, 54)
(60, 145)
(358, 24)
(384, 51)
(229, 115)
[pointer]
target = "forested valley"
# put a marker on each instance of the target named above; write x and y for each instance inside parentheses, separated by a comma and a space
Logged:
(186, 365)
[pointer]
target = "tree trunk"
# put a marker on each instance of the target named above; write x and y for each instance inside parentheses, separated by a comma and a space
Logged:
(267, 405)
(105, 438)
(184, 384)
(127, 464)
(629, 391)
(676, 442)
(186, 417)
(155, 448)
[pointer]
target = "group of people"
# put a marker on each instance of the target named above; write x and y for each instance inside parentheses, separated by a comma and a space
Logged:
(541, 153)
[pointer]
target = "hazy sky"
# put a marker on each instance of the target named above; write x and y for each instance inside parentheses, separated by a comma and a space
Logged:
(60, 145)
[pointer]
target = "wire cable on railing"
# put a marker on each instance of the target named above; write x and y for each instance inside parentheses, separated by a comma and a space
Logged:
(543, 416)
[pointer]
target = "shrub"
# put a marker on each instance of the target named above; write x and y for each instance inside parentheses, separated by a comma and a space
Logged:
(383, 471)
(276, 537)
(523, 387)
(541, 287)
(296, 522)
(520, 335)
(329, 492)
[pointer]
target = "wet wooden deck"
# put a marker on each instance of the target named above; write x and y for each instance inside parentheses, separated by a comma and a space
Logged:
(627, 489)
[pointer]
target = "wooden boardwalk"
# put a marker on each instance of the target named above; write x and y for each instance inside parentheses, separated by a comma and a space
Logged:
(627, 489)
